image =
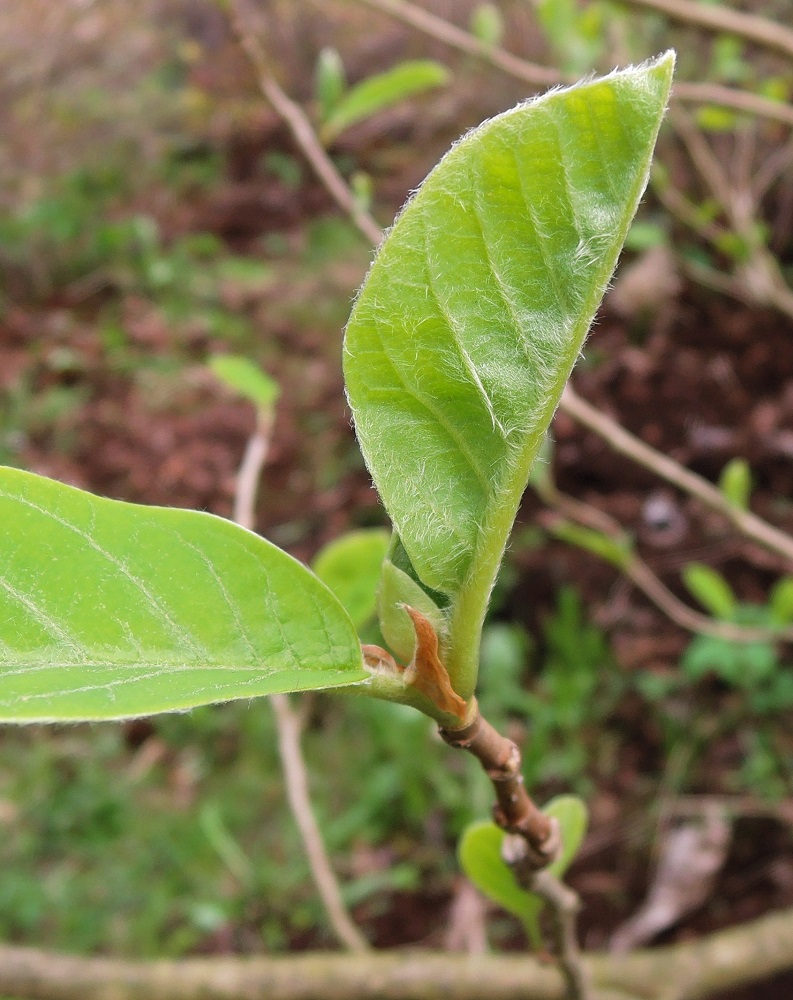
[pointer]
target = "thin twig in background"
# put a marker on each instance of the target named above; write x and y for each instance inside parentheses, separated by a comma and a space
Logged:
(736, 100)
(296, 782)
(544, 76)
(457, 38)
(709, 167)
(721, 18)
(564, 905)
(301, 128)
(666, 468)
(288, 722)
(758, 279)
(642, 577)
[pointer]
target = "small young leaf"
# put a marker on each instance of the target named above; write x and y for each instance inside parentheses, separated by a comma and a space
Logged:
(735, 482)
(350, 568)
(781, 601)
(473, 314)
(330, 82)
(246, 378)
(110, 610)
(710, 589)
(487, 24)
(396, 590)
(383, 91)
(618, 553)
(479, 851)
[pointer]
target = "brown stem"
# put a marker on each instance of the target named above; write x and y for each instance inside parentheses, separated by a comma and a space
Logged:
(564, 905)
(288, 721)
(722, 18)
(301, 128)
(544, 76)
(514, 810)
(628, 444)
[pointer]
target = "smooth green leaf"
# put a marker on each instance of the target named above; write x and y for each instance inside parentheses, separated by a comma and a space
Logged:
(382, 91)
(618, 553)
(479, 851)
(487, 24)
(473, 314)
(781, 601)
(330, 82)
(396, 589)
(245, 377)
(735, 482)
(350, 568)
(710, 589)
(111, 610)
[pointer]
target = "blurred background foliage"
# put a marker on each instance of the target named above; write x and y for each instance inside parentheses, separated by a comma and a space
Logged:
(154, 211)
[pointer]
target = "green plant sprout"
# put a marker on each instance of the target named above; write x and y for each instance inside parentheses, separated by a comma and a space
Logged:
(340, 107)
(754, 667)
(456, 354)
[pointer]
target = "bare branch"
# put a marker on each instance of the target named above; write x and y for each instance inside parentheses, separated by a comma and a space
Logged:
(301, 129)
(642, 577)
(544, 76)
(728, 959)
(564, 905)
(736, 100)
(296, 784)
(627, 444)
(288, 722)
(448, 33)
(721, 18)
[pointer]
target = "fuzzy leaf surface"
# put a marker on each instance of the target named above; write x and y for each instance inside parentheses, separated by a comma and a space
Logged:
(473, 313)
(111, 610)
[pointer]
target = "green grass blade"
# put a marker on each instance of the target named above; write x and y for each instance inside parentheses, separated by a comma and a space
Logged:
(111, 610)
(473, 313)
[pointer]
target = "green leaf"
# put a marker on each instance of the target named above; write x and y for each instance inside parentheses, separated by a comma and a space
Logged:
(618, 553)
(479, 851)
(710, 589)
(735, 482)
(396, 589)
(330, 82)
(487, 24)
(350, 568)
(246, 378)
(781, 601)
(111, 610)
(383, 91)
(472, 316)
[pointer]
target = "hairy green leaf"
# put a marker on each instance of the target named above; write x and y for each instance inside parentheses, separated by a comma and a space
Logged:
(479, 851)
(110, 610)
(349, 567)
(382, 91)
(474, 312)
